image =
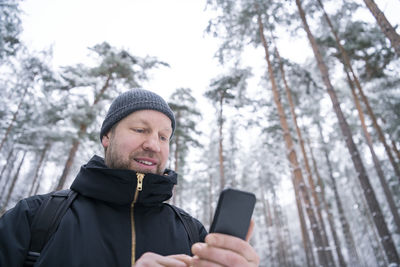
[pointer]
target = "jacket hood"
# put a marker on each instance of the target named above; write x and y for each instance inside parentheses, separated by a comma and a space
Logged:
(118, 186)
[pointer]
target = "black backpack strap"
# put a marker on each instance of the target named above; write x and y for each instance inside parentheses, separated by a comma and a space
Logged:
(46, 221)
(188, 223)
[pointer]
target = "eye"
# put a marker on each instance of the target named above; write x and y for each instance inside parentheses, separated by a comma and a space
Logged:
(138, 130)
(164, 138)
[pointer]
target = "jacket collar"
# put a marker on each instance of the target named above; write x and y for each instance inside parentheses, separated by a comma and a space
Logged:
(96, 180)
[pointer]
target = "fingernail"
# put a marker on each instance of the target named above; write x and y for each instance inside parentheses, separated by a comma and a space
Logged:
(211, 240)
(198, 246)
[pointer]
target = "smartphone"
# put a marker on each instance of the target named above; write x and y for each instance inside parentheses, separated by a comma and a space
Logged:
(233, 213)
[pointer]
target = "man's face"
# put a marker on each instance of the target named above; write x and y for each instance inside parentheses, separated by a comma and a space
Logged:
(139, 142)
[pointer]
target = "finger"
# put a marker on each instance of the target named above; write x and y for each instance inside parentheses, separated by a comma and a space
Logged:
(182, 257)
(218, 256)
(234, 244)
(250, 231)
(197, 262)
(153, 259)
(171, 262)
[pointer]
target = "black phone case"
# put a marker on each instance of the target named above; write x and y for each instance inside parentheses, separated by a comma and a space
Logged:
(233, 213)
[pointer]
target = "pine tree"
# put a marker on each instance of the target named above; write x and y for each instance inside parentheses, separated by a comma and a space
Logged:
(10, 28)
(186, 116)
(355, 82)
(32, 69)
(305, 159)
(12, 186)
(327, 208)
(348, 236)
(115, 67)
(384, 24)
(373, 204)
(224, 90)
(298, 181)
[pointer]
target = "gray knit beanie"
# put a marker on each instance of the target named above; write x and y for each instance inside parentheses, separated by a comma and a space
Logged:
(131, 101)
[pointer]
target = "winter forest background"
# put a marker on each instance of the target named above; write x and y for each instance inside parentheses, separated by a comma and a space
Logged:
(317, 141)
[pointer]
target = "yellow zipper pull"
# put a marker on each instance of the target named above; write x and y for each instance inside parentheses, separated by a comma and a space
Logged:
(139, 186)
(140, 177)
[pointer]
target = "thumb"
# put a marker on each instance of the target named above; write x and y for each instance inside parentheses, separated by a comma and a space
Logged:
(250, 231)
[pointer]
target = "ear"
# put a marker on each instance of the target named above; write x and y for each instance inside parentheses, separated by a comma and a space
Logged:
(105, 140)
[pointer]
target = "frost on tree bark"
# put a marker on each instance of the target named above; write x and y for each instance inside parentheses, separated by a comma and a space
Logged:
(373, 204)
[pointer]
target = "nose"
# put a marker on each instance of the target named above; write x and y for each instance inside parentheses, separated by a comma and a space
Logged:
(152, 143)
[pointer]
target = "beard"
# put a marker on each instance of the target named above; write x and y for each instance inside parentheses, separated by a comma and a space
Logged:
(114, 160)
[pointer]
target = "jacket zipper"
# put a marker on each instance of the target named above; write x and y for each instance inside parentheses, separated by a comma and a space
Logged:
(139, 187)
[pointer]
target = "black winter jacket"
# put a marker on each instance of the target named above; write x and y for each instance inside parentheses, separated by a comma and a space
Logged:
(105, 225)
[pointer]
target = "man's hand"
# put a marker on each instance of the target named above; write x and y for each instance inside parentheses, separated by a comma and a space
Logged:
(150, 259)
(225, 250)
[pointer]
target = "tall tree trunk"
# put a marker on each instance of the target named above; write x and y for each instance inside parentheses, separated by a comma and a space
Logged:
(288, 242)
(379, 131)
(354, 259)
(327, 208)
(71, 157)
(298, 181)
(38, 167)
(11, 189)
(14, 118)
(220, 144)
(372, 237)
(176, 159)
(210, 198)
(37, 187)
(268, 221)
(373, 204)
(348, 67)
(396, 150)
(378, 168)
(81, 133)
(281, 246)
(10, 153)
(311, 183)
(304, 233)
(9, 166)
(385, 25)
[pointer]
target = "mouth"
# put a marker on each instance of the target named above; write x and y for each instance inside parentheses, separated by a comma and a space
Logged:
(146, 162)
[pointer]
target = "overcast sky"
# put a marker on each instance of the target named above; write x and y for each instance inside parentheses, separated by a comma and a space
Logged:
(172, 31)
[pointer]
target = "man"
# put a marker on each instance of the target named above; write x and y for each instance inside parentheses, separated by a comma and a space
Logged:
(118, 217)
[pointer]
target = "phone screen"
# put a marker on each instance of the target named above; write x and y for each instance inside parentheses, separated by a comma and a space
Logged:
(233, 213)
